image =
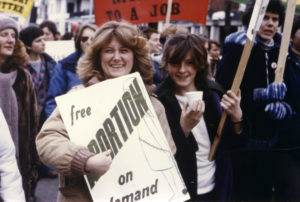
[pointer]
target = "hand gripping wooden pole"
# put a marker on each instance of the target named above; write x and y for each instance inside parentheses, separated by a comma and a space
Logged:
(288, 24)
(255, 22)
(235, 87)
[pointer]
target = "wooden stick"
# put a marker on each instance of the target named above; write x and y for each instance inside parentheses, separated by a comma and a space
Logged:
(169, 9)
(235, 87)
(288, 23)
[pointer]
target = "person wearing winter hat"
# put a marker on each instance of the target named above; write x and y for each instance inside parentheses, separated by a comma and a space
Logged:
(40, 66)
(18, 101)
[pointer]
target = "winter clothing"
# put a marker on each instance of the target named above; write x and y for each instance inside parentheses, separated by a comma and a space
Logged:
(8, 101)
(10, 179)
(254, 164)
(273, 92)
(259, 73)
(287, 162)
(279, 110)
(290, 130)
(41, 83)
(159, 73)
(62, 80)
(187, 147)
(8, 22)
(27, 130)
(58, 152)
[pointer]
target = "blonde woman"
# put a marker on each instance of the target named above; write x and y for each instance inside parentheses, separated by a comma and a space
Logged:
(116, 50)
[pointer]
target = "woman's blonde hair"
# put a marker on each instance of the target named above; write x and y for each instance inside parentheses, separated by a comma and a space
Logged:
(90, 64)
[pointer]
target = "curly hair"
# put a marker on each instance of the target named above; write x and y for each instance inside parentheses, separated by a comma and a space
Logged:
(129, 36)
(178, 46)
(17, 59)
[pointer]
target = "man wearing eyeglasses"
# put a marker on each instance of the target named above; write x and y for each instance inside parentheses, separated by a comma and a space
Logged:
(64, 74)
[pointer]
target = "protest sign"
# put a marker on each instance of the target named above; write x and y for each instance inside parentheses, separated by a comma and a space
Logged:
(136, 11)
(59, 49)
(19, 7)
(117, 114)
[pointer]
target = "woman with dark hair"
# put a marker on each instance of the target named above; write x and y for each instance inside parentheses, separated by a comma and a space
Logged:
(50, 30)
(64, 74)
(194, 127)
(116, 50)
(18, 102)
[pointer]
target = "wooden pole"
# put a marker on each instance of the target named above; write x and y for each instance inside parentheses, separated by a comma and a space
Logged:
(169, 9)
(235, 87)
(255, 22)
(288, 23)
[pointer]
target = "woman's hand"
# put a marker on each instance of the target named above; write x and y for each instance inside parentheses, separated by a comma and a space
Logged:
(231, 104)
(99, 164)
(190, 118)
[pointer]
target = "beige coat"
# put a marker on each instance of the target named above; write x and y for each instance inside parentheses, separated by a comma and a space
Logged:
(58, 152)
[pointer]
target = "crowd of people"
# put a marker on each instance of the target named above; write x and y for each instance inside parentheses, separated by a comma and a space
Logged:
(258, 158)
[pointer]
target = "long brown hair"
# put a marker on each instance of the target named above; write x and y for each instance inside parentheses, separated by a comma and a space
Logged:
(128, 35)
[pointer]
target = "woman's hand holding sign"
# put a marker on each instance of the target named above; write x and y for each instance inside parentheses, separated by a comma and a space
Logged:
(99, 163)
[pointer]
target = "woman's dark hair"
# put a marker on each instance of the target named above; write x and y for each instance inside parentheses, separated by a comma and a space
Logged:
(296, 26)
(51, 26)
(178, 46)
(274, 6)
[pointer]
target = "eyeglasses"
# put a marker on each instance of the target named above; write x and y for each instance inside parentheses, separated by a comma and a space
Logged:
(85, 38)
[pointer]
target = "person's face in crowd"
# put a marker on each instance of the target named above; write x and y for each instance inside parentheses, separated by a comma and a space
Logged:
(116, 60)
(268, 26)
(183, 74)
(214, 52)
(37, 45)
(49, 36)
(7, 42)
(154, 44)
(296, 41)
(86, 38)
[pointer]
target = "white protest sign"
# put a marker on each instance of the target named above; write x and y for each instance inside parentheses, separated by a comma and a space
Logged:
(117, 114)
(59, 49)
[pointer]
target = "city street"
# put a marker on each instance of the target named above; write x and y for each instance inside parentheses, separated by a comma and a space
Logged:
(46, 190)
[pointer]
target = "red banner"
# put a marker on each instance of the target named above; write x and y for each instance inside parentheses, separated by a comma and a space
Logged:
(145, 11)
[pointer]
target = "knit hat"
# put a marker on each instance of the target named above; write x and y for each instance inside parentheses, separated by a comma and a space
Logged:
(8, 22)
(30, 33)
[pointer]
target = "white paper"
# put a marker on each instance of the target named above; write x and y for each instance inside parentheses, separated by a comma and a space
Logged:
(142, 158)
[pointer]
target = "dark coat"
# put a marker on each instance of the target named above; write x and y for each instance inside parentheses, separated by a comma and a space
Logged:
(187, 147)
(62, 80)
(258, 74)
(28, 157)
(49, 65)
(290, 128)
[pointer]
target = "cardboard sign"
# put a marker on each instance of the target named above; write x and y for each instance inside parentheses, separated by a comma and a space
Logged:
(19, 7)
(117, 114)
(138, 11)
(59, 49)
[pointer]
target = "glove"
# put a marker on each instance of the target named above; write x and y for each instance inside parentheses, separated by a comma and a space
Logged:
(274, 92)
(278, 110)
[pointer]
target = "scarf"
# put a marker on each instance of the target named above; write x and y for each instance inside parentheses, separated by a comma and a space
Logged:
(9, 105)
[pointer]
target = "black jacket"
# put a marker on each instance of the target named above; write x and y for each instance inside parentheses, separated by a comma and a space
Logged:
(187, 147)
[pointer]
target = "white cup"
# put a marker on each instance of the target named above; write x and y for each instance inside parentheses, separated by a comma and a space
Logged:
(194, 96)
